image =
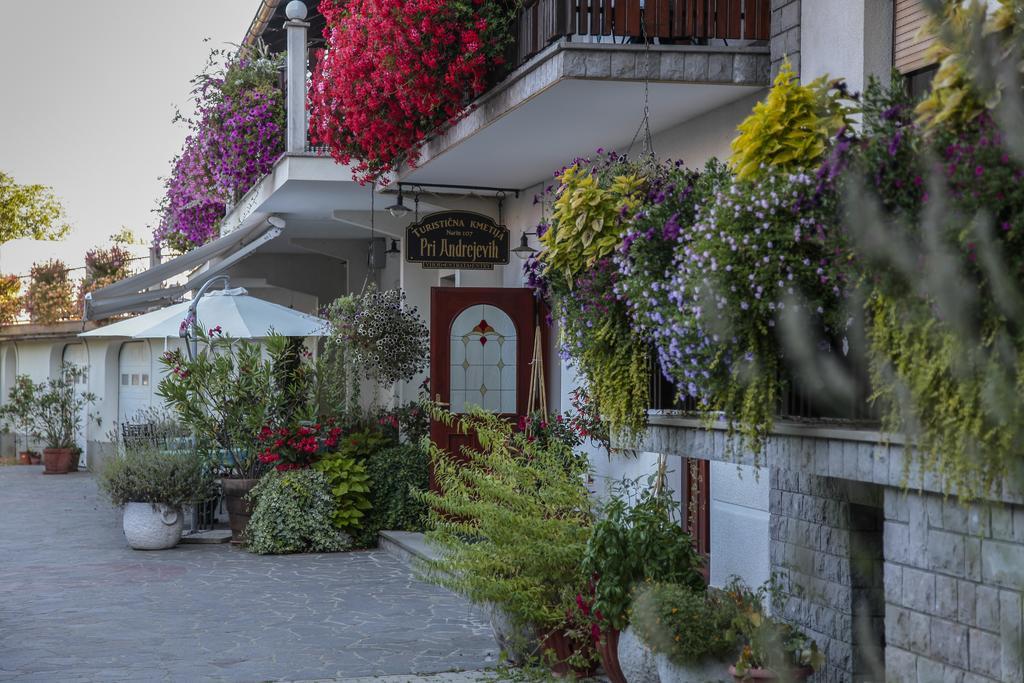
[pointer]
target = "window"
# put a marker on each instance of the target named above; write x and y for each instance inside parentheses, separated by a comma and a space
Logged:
(909, 47)
(919, 83)
(483, 360)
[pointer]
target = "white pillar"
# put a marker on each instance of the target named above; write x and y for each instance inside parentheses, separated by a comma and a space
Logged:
(296, 29)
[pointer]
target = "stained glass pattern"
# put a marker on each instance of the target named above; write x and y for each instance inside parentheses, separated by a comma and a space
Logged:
(483, 360)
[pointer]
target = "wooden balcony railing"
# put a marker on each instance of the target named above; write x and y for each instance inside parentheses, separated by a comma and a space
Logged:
(542, 22)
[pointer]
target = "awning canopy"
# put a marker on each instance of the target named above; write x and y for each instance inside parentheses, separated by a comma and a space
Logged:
(238, 315)
(143, 291)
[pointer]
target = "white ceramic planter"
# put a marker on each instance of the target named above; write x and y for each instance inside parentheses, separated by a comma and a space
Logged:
(152, 526)
(635, 659)
(708, 671)
(517, 643)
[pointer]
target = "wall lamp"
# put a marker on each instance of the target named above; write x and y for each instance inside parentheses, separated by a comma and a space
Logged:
(524, 250)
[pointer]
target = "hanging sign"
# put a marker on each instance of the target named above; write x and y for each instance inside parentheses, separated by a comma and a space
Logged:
(457, 239)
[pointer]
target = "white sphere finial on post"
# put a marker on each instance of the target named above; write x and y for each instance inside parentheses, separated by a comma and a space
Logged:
(295, 10)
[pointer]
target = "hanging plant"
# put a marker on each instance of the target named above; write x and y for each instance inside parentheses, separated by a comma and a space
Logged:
(50, 294)
(397, 71)
(945, 260)
(575, 272)
(381, 336)
(10, 301)
(235, 138)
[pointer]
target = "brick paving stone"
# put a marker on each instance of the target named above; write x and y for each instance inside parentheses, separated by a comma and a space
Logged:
(77, 604)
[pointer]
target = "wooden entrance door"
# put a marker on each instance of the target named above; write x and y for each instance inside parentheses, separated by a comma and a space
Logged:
(481, 348)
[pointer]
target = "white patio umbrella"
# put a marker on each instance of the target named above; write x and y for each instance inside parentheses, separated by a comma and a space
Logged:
(238, 315)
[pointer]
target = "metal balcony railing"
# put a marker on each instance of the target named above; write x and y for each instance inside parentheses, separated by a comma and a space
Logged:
(686, 22)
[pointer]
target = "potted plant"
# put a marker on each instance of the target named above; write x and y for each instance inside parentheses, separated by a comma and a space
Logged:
(634, 540)
(511, 522)
(56, 417)
(17, 414)
(693, 634)
(152, 485)
(227, 395)
(775, 651)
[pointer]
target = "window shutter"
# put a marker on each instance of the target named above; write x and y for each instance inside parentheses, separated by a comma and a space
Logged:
(909, 48)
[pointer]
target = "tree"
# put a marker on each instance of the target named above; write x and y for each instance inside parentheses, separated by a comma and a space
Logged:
(29, 211)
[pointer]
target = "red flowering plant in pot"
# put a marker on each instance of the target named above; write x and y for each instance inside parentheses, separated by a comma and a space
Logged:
(396, 71)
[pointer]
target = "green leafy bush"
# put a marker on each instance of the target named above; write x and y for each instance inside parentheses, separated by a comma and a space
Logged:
(149, 475)
(686, 625)
(397, 475)
(349, 484)
(510, 521)
(293, 513)
(634, 543)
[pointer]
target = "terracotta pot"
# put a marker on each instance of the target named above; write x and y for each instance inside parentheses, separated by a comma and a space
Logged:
(57, 460)
(239, 509)
(557, 647)
(24, 458)
(801, 674)
(608, 649)
(35, 458)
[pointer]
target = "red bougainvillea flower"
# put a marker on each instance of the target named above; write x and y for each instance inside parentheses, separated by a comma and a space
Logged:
(396, 71)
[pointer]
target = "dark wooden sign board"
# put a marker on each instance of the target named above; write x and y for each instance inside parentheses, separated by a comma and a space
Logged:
(457, 239)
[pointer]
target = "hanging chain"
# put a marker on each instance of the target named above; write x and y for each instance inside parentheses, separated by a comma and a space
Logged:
(371, 265)
(645, 122)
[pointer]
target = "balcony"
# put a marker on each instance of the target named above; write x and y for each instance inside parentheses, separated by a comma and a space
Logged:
(576, 80)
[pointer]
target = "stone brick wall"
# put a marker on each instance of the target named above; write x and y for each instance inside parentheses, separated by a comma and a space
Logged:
(785, 34)
(919, 590)
(954, 585)
(826, 552)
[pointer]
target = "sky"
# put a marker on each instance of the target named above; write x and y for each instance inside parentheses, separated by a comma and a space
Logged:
(88, 96)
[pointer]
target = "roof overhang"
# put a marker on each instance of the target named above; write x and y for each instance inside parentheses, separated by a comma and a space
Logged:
(573, 98)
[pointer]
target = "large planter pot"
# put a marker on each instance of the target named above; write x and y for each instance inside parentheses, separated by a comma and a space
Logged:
(708, 671)
(636, 661)
(152, 526)
(57, 460)
(557, 647)
(608, 650)
(239, 509)
(766, 675)
(517, 643)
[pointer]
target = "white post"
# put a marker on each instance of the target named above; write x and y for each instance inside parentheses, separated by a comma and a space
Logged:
(296, 28)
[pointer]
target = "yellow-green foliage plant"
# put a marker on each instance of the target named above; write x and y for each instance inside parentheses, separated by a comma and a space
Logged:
(959, 403)
(510, 520)
(956, 97)
(586, 222)
(791, 128)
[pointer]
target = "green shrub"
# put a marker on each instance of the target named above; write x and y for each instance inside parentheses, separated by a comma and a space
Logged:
(686, 625)
(395, 475)
(349, 484)
(631, 544)
(511, 524)
(293, 513)
(147, 475)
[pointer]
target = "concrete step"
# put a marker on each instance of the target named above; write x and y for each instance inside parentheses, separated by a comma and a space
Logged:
(408, 545)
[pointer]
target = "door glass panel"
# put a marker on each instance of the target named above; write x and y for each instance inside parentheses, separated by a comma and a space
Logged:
(483, 360)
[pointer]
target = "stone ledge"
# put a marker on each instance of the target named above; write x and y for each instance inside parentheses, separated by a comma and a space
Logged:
(857, 454)
(740, 66)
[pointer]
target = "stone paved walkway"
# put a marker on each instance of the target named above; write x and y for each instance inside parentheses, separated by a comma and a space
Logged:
(77, 605)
